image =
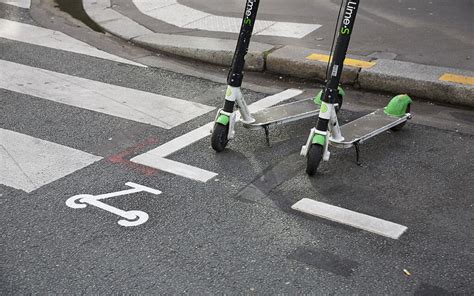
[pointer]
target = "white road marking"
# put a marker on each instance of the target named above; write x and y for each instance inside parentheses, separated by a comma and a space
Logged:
(18, 3)
(170, 11)
(130, 218)
(180, 142)
(156, 158)
(53, 39)
(203, 131)
(140, 106)
(348, 217)
(27, 163)
(274, 99)
(176, 168)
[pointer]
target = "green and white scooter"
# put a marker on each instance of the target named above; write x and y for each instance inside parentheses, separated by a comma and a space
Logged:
(327, 131)
(327, 103)
(228, 116)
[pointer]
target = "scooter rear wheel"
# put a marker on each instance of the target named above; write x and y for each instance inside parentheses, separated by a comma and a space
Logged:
(219, 138)
(315, 154)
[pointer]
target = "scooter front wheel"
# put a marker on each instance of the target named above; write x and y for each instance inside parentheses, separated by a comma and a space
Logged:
(315, 154)
(219, 136)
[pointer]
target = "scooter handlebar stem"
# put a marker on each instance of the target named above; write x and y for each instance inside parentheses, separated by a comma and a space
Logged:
(342, 44)
(235, 76)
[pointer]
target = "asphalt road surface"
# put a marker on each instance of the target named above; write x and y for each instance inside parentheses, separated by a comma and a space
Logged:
(437, 32)
(236, 233)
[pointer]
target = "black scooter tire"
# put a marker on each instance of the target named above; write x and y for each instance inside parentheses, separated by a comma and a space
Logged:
(219, 137)
(315, 154)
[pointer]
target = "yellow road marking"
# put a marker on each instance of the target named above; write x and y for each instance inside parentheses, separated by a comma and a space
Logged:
(348, 62)
(457, 78)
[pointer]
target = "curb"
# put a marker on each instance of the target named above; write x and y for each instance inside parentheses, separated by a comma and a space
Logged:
(210, 50)
(292, 61)
(444, 85)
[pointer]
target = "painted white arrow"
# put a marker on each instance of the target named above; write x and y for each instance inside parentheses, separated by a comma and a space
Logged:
(170, 11)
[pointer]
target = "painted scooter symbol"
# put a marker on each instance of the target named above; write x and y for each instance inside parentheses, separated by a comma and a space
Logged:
(131, 218)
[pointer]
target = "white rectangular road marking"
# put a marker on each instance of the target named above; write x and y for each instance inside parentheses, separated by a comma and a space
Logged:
(18, 3)
(177, 168)
(180, 142)
(27, 163)
(172, 12)
(348, 217)
(53, 39)
(289, 29)
(140, 106)
(274, 99)
(203, 131)
(155, 158)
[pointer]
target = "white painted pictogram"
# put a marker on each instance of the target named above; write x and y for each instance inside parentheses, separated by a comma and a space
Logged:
(131, 218)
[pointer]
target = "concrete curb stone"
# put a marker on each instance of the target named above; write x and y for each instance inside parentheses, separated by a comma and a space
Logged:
(417, 80)
(292, 61)
(210, 50)
(387, 75)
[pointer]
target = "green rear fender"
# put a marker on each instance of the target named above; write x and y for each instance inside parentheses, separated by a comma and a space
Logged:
(398, 106)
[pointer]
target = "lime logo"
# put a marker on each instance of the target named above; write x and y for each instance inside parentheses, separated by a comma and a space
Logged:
(249, 8)
(248, 12)
(229, 92)
(324, 108)
(351, 6)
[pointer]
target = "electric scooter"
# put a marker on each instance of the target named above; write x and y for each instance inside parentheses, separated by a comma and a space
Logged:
(327, 103)
(327, 131)
(227, 118)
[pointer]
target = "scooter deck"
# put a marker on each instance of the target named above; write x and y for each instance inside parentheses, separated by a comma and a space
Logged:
(284, 113)
(367, 127)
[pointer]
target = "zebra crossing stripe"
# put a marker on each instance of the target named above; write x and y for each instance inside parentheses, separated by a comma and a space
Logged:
(27, 163)
(18, 3)
(150, 108)
(170, 11)
(156, 158)
(53, 39)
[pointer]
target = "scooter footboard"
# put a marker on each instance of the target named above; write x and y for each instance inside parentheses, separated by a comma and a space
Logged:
(367, 127)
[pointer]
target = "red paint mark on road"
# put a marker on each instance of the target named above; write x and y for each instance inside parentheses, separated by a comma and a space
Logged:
(124, 156)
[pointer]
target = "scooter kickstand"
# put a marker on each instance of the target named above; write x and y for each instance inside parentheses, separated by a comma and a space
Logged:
(357, 148)
(267, 135)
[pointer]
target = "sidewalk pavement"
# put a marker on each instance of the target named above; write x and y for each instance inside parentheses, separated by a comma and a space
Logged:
(441, 84)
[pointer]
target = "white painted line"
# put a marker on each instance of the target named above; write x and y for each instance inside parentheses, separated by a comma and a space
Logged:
(18, 3)
(27, 163)
(140, 106)
(203, 131)
(351, 218)
(155, 158)
(176, 168)
(181, 142)
(274, 100)
(170, 11)
(294, 30)
(53, 39)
